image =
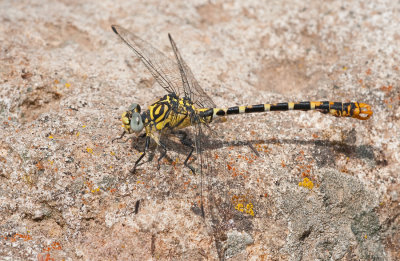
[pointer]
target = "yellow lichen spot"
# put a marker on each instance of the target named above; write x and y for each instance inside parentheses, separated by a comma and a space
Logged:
(344, 68)
(365, 236)
(51, 137)
(112, 153)
(83, 126)
(307, 183)
(89, 150)
(239, 207)
(249, 209)
(77, 134)
(67, 85)
(51, 162)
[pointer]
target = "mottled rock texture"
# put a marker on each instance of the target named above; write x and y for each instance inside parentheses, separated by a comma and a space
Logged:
(65, 78)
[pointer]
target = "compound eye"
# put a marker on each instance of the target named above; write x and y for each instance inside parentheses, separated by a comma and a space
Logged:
(134, 108)
(136, 122)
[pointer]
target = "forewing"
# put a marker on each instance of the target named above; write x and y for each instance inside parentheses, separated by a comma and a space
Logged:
(163, 69)
(232, 189)
(191, 88)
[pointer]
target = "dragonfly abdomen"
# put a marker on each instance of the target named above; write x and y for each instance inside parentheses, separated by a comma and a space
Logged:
(356, 110)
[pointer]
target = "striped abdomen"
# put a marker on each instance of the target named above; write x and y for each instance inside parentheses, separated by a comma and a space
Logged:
(356, 110)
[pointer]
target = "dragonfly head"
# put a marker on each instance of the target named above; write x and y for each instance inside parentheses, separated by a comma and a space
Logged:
(132, 119)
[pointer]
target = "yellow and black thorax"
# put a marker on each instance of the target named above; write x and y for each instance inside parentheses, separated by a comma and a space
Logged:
(170, 113)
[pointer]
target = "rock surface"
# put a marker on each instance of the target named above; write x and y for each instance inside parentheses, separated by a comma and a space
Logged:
(320, 188)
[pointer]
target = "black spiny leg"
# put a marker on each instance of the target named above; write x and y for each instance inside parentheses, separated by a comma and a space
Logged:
(120, 137)
(188, 143)
(162, 155)
(146, 147)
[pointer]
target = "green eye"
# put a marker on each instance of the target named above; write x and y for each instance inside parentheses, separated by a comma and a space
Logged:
(136, 122)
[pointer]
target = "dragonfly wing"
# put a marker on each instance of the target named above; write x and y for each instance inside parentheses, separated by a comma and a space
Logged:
(191, 87)
(163, 69)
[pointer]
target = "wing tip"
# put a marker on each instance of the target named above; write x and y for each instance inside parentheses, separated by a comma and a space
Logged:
(114, 28)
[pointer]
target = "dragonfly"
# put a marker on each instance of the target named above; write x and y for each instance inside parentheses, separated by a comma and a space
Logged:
(186, 104)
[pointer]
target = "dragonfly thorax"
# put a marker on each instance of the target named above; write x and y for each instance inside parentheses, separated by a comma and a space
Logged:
(132, 119)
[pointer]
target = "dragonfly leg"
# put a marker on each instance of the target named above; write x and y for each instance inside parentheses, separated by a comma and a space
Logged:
(118, 138)
(188, 143)
(162, 155)
(146, 147)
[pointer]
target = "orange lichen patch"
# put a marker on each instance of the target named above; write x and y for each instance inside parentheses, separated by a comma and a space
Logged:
(283, 164)
(53, 246)
(229, 167)
(175, 162)
(261, 148)
(361, 82)
(90, 184)
(40, 165)
(186, 184)
(387, 88)
(315, 136)
(17, 236)
(44, 257)
(305, 169)
(307, 183)
(344, 169)
(368, 72)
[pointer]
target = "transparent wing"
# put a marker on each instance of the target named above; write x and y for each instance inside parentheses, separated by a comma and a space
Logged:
(173, 77)
(164, 70)
(191, 87)
(231, 189)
